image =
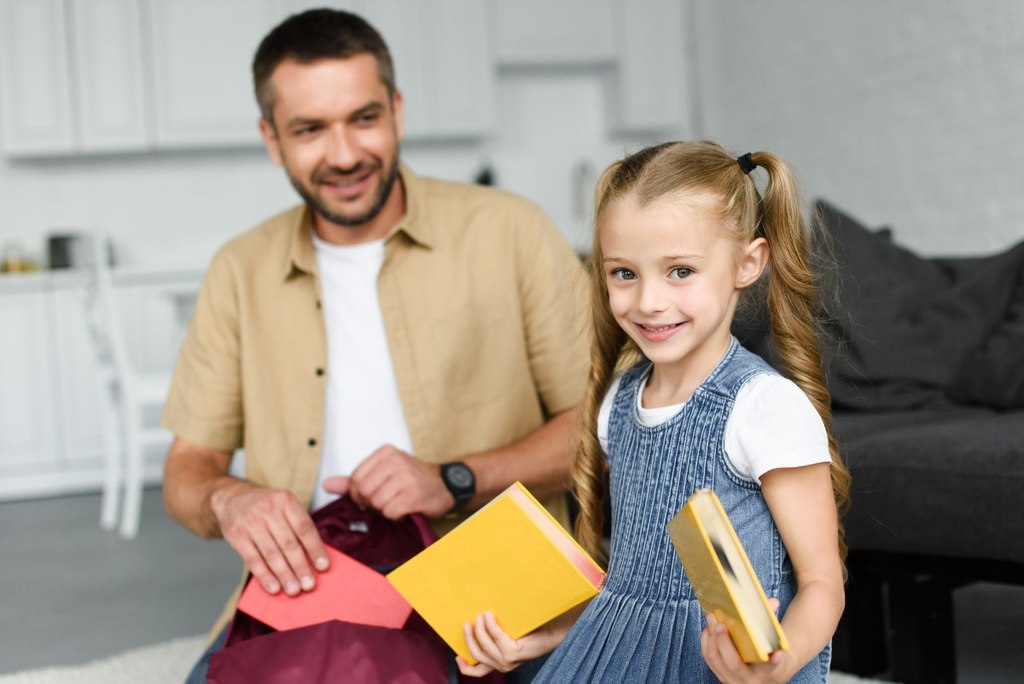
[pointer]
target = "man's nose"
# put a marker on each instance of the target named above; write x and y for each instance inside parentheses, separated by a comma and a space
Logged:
(341, 148)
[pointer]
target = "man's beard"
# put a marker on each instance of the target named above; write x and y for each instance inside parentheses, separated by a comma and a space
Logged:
(346, 219)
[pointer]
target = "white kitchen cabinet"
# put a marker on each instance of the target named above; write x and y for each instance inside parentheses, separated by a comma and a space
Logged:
(35, 94)
(202, 51)
(71, 76)
(99, 76)
(543, 33)
(27, 417)
(653, 81)
(109, 75)
(77, 400)
(459, 69)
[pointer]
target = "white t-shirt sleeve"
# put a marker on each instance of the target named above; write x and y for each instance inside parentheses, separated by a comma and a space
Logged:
(773, 425)
(605, 412)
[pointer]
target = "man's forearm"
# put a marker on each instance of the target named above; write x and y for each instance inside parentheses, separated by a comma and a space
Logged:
(540, 461)
(192, 477)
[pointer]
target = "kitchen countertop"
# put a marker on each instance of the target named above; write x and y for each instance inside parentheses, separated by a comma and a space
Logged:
(69, 278)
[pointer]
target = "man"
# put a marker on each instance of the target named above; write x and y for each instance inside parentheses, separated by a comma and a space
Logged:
(415, 343)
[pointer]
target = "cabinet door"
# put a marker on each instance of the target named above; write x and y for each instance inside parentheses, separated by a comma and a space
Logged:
(109, 75)
(541, 32)
(653, 77)
(459, 69)
(202, 51)
(27, 415)
(35, 95)
(443, 64)
(79, 398)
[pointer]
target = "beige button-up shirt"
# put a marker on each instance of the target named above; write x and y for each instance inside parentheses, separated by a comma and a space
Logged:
(481, 299)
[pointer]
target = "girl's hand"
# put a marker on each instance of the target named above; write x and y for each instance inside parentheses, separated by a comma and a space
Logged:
(721, 655)
(496, 650)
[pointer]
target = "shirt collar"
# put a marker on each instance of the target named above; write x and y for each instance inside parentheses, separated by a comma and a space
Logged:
(414, 224)
(301, 255)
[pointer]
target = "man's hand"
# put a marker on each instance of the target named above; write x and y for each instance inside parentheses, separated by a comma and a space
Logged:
(396, 484)
(272, 533)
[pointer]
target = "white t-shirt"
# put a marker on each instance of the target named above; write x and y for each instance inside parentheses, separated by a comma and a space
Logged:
(362, 410)
(773, 425)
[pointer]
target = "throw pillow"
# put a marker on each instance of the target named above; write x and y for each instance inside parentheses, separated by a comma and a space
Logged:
(993, 373)
(901, 323)
(877, 338)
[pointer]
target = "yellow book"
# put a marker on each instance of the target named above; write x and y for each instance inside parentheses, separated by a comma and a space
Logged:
(511, 558)
(723, 578)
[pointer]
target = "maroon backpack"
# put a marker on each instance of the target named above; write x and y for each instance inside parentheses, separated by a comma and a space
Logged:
(337, 651)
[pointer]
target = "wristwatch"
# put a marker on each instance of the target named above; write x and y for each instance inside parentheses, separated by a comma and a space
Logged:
(460, 481)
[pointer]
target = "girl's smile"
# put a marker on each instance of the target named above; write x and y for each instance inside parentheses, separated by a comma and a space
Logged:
(658, 333)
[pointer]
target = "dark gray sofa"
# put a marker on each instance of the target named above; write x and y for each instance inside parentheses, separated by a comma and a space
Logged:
(925, 362)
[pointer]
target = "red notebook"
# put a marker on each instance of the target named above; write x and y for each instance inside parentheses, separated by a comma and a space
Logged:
(347, 591)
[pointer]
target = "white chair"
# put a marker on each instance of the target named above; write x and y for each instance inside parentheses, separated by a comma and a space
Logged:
(128, 397)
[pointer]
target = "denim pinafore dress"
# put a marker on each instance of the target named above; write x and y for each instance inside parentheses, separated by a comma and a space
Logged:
(645, 624)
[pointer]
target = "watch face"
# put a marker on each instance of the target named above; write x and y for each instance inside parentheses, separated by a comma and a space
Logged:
(459, 475)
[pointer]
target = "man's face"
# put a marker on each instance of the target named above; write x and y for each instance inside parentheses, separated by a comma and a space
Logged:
(336, 133)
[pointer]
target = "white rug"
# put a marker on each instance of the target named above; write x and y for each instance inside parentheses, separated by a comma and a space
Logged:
(165, 663)
(170, 662)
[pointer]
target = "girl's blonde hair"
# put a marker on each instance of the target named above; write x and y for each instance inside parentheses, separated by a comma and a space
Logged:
(683, 168)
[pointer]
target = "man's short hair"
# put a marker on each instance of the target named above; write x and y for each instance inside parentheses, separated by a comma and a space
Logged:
(312, 36)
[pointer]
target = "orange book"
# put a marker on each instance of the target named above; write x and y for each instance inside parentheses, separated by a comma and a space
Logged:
(511, 558)
(723, 578)
(347, 591)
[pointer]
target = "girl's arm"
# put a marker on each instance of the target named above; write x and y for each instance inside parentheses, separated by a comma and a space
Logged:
(803, 506)
(494, 649)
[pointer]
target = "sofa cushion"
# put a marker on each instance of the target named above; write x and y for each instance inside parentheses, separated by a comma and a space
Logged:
(942, 482)
(993, 373)
(898, 323)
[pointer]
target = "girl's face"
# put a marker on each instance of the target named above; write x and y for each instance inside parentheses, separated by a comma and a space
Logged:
(674, 273)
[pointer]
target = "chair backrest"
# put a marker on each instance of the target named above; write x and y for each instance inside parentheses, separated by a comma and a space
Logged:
(102, 313)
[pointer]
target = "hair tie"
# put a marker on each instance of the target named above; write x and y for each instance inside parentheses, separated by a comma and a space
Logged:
(747, 163)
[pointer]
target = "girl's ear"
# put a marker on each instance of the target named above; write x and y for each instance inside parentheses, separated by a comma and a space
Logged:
(752, 263)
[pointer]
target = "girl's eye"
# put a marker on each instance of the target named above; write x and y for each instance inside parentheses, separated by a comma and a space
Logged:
(681, 272)
(623, 274)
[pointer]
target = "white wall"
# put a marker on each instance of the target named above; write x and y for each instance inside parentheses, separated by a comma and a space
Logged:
(908, 114)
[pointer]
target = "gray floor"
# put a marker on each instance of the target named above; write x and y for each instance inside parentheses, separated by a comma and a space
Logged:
(72, 593)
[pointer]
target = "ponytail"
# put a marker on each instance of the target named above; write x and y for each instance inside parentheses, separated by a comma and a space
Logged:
(792, 298)
(589, 466)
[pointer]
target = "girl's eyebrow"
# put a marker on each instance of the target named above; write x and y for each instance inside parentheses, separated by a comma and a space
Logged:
(668, 258)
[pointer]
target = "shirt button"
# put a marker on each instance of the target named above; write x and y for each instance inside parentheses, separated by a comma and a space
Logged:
(318, 303)
(319, 371)
(312, 442)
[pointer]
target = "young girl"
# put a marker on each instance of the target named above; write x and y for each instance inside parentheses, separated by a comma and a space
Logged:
(680, 233)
